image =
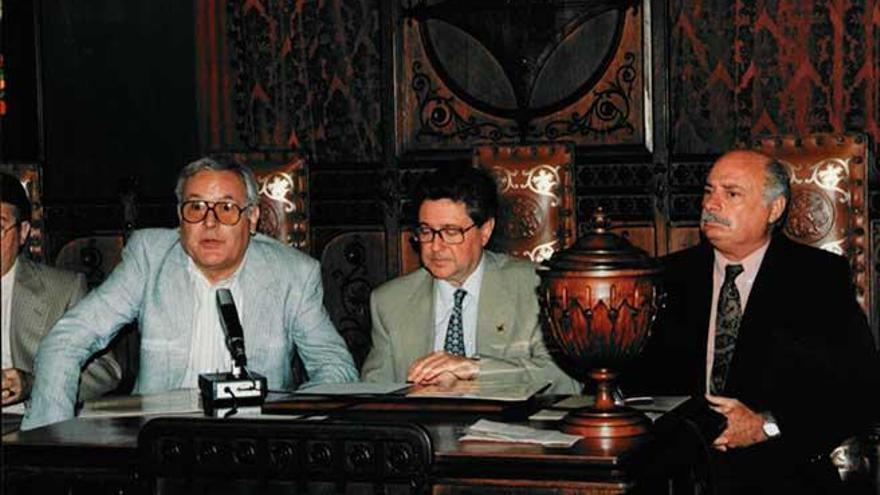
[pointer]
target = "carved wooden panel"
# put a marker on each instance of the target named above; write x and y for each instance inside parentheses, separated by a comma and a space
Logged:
(352, 265)
(202, 455)
(536, 192)
(500, 71)
(641, 236)
(683, 236)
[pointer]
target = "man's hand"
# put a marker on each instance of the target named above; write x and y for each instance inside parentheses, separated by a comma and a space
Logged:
(744, 426)
(16, 386)
(442, 368)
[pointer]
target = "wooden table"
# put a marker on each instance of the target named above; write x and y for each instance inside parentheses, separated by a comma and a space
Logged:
(86, 453)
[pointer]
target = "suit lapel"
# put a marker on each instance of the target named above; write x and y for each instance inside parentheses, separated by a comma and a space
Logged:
(174, 294)
(700, 287)
(754, 322)
(29, 317)
(256, 278)
(495, 315)
(417, 318)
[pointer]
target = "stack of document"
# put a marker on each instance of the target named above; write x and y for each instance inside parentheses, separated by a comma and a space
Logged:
(493, 431)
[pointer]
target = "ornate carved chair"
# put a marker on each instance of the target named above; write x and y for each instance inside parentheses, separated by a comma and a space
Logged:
(536, 183)
(283, 179)
(828, 209)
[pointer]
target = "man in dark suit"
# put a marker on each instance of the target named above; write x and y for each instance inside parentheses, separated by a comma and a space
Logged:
(770, 331)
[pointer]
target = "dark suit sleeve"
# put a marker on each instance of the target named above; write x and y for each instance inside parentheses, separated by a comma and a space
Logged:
(836, 397)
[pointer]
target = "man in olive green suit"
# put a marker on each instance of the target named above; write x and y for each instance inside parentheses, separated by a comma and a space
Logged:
(34, 298)
(467, 313)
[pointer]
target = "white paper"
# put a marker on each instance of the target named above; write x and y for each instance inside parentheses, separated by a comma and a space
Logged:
(493, 431)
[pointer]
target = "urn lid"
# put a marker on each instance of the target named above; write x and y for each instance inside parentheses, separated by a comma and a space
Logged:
(601, 250)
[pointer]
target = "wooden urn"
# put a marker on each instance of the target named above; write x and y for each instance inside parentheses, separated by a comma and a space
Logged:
(598, 300)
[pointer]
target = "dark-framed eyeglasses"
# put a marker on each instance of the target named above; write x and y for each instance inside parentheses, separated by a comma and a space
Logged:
(5, 230)
(226, 212)
(450, 235)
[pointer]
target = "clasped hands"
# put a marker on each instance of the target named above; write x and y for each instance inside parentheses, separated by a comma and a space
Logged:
(744, 426)
(16, 386)
(442, 368)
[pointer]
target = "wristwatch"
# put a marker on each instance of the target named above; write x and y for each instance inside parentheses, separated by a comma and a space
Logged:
(771, 429)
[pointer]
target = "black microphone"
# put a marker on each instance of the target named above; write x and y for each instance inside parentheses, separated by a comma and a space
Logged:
(232, 328)
(224, 394)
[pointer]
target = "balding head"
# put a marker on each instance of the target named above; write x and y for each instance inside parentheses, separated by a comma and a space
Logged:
(745, 195)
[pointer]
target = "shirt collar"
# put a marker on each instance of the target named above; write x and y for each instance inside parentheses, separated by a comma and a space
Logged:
(10, 275)
(198, 277)
(751, 263)
(471, 285)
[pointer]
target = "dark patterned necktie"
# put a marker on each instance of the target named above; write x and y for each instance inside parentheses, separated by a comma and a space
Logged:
(455, 332)
(727, 318)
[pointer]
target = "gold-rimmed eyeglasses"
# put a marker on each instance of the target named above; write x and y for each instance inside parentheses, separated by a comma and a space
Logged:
(450, 235)
(226, 212)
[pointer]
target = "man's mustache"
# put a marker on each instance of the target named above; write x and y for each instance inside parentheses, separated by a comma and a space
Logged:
(708, 216)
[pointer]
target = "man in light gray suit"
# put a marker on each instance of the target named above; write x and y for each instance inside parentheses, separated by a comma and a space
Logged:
(168, 281)
(34, 296)
(467, 313)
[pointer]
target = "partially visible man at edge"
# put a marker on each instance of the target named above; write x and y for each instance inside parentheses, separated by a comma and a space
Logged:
(770, 331)
(168, 281)
(34, 296)
(467, 313)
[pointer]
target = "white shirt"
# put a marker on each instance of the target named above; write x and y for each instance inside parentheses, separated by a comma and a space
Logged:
(444, 302)
(208, 352)
(751, 264)
(8, 283)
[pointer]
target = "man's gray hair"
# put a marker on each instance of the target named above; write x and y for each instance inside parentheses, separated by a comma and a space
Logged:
(778, 183)
(219, 164)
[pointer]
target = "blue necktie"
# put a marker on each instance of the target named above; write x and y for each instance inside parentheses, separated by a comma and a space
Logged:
(727, 319)
(455, 331)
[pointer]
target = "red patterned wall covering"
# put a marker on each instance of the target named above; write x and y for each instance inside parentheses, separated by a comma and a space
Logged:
(301, 75)
(753, 67)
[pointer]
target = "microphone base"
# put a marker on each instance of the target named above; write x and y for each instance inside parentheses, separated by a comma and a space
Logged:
(223, 391)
